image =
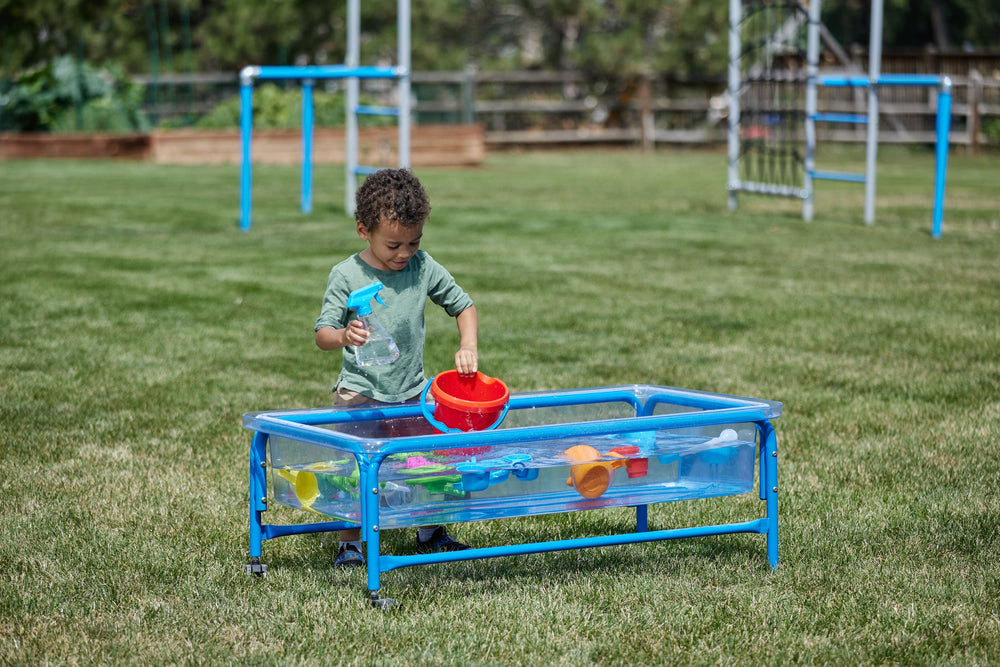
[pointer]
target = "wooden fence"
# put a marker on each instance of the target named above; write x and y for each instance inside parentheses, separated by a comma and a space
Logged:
(560, 108)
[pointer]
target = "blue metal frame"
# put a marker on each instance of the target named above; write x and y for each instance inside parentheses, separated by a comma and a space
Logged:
(942, 127)
(872, 81)
(307, 75)
(307, 145)
(706, 409)
(353, 73)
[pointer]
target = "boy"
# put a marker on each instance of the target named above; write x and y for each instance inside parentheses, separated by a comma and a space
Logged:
(391, 209)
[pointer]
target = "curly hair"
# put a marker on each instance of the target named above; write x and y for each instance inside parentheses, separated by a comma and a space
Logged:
(391, 195)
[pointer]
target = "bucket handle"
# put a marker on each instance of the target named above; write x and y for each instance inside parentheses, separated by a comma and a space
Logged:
(443, 427)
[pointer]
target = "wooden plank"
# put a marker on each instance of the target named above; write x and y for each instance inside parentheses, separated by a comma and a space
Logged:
(15, 145)
(430, 145)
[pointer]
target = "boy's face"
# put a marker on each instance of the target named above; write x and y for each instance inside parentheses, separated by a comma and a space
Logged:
(390, 245)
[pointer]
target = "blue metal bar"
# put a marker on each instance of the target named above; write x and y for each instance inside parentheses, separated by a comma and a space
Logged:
(838, 176)
(843, 81)
(909, 80)
(362, 170)
(258, 491)
(771, 491)
(344, 442)
(642, 518)
(376, 111)
(390, 562)
(307, 145)
(246, 132)
(763, 468)
(693, 401)
(327, 72)
(272, 530)
(943, 127)
(517, 402)
(368, 485)
(840, 118)
(839, 81)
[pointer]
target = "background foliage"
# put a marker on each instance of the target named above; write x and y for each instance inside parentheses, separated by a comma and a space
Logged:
(278, 108)
(71, 94)
(679, 36)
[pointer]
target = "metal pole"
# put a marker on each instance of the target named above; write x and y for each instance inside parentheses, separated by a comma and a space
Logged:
(469, 94)
(812, 71)
(403, 83)
(733, 136)
(874, 73)
(941, 153)
(770, 451)
(246, 131)
(353, 85)
(307, 145)
(258, 491)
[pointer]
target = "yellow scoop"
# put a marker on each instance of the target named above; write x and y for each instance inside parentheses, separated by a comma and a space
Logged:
(304, 484)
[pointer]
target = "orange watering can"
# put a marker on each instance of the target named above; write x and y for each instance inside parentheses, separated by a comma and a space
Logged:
(588, 474)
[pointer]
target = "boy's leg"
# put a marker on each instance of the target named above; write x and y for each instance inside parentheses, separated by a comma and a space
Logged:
(430, 539)
(349, 553)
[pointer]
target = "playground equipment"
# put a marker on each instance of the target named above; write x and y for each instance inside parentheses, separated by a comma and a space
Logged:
(353, 73)
(665, 444)
(773, 105)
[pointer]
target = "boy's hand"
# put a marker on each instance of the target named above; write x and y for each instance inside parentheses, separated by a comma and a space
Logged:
(355, 333)
(467, 360)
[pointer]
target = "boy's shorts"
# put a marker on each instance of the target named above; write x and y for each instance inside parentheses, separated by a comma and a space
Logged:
(349, 397)
(392, 428)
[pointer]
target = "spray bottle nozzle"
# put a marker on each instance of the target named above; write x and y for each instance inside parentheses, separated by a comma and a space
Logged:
(360, 299)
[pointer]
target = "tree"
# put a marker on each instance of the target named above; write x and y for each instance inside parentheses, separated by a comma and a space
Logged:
(917, 24)
(605, 37)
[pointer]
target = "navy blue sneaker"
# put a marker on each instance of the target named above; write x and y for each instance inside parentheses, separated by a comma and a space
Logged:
(439, 540)
(348, 556)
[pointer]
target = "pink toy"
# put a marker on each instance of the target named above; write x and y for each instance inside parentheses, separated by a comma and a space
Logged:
(417, 462)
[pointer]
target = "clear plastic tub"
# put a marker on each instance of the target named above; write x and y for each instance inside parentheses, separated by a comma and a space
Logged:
(554, 452)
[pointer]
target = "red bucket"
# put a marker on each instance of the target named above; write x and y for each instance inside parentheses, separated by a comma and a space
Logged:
(468, 402)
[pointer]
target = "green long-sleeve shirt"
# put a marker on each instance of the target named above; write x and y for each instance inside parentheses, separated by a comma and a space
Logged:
(405, 293)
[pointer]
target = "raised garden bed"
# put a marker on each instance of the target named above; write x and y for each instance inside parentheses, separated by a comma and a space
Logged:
(430, 145)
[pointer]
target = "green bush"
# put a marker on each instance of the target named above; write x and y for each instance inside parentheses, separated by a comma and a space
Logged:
(991, 128)
(66, 95)
(277, 108)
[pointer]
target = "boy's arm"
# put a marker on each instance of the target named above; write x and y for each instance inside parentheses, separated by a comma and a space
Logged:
(467, 357)
(328, 338)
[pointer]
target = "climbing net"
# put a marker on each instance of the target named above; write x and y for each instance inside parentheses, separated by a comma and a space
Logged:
(771, 96)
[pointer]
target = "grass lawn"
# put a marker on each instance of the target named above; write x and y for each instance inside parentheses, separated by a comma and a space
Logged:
(139, 324)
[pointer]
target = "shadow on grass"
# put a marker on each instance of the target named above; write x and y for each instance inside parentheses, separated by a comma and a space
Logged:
(702, 558)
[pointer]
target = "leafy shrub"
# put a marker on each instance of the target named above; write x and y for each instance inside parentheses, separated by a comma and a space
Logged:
(67, 95)
(991, 128)
(277, 108)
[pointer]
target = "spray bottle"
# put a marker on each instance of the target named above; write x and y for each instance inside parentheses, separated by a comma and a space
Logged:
(380, 348)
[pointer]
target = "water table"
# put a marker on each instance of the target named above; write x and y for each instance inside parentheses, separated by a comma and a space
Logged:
(384, 466)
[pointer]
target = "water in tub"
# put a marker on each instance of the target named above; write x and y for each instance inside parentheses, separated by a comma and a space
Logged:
(527, 479)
